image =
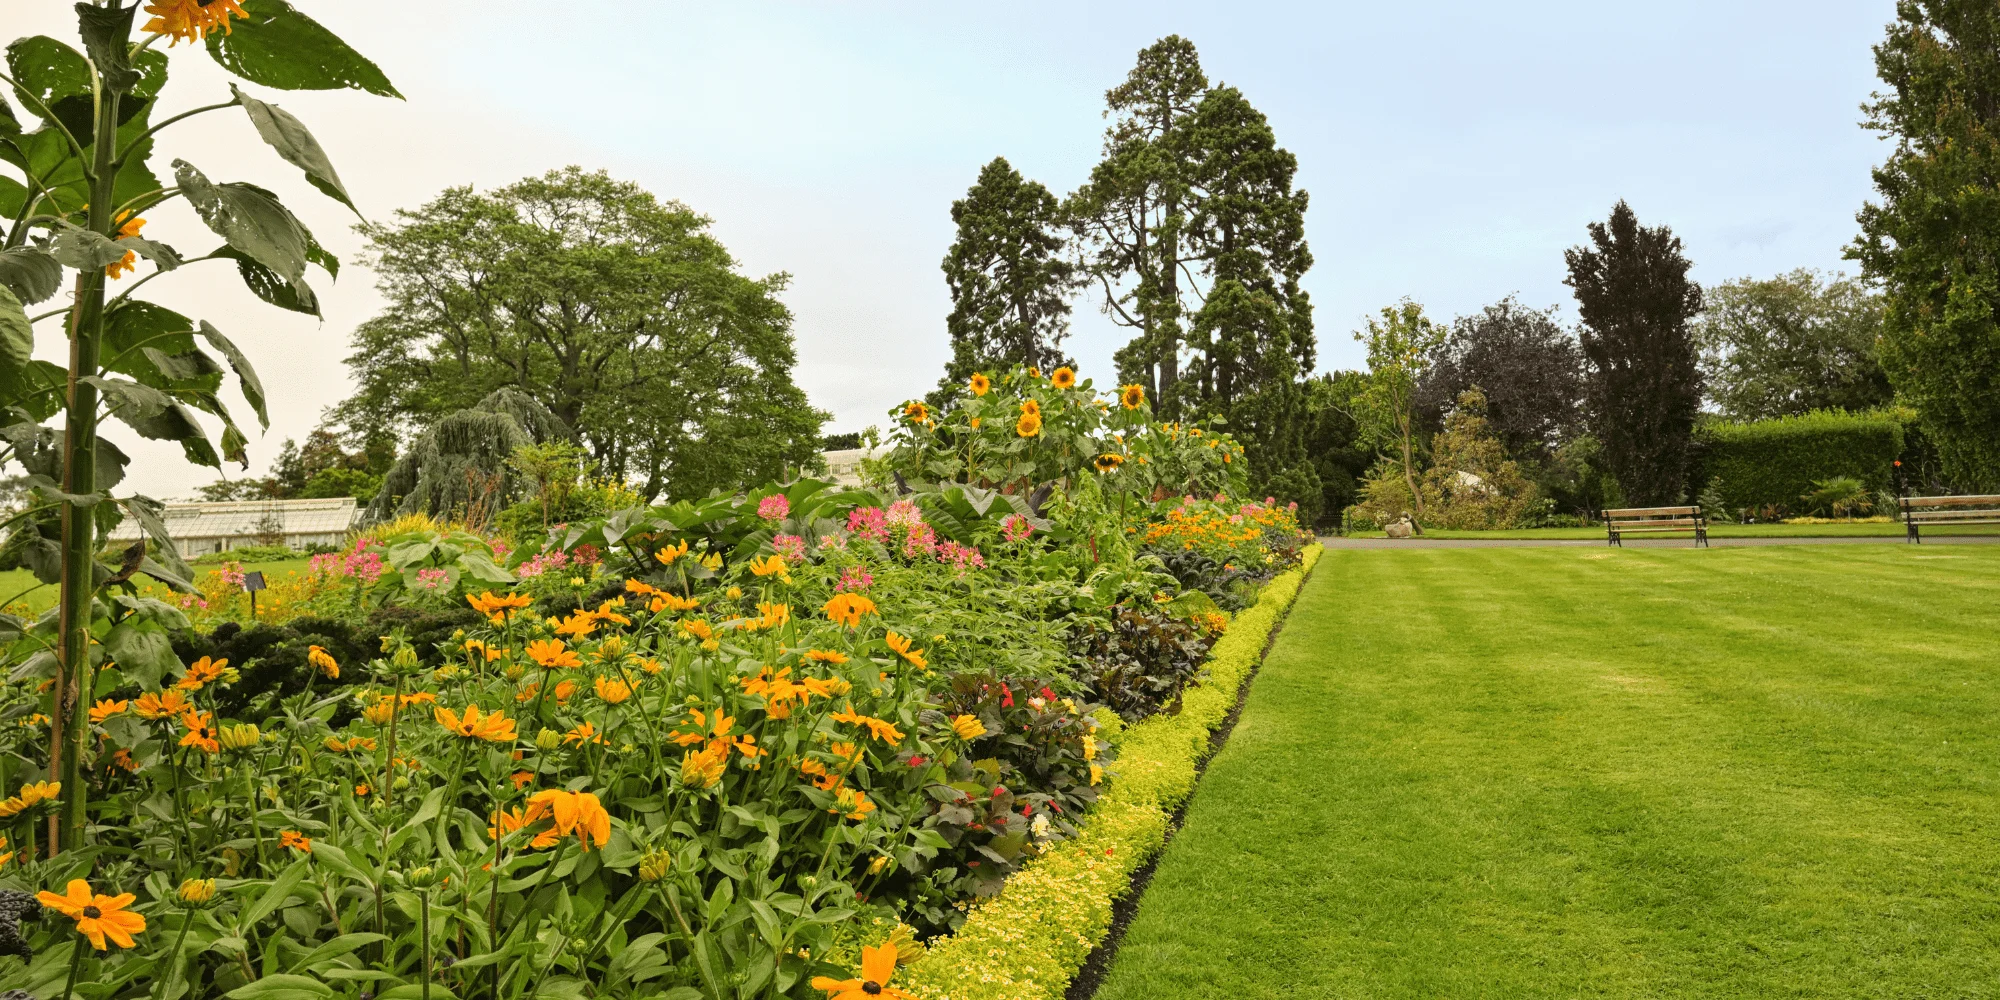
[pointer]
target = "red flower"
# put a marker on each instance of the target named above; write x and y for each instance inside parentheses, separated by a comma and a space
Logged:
(1006, 696)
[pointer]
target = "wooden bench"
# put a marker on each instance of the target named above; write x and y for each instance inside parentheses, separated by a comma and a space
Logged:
(1618, 523)
(1919, 511)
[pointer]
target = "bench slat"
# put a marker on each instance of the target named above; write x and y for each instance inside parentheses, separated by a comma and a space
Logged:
(1621, 529)
(1967, 501)
(1991, 518)
(1949, 515)
(1648, 511)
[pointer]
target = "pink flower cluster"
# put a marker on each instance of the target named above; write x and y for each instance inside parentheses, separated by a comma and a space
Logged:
(360, 562)
(432, 579)
(231, 574)
(1015, 528)
(854, 578)
(921, 540)
(868, 523)
(542, 563)
(961, 557)
(832, 542)
(774, 507)
(792, 547)
(904, 514)
(584, 555)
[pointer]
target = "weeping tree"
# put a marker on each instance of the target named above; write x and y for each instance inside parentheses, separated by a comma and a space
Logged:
(458, 468)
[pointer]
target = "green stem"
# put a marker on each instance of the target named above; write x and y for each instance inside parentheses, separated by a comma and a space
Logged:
(75, 963)
(424, 901)
(173, 957)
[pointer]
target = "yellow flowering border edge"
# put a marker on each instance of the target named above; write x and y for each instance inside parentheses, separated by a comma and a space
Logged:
(1027, 942)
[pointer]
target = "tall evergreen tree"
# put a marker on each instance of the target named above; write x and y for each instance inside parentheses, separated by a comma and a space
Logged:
(1010, 280)
(1636, 301)
(1934, 240)
(1132, 215)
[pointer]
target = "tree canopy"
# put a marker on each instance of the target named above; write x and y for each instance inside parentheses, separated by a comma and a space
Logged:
(1784, 346)
(1933, 240)
(1636, 301)
(1528, 368)
(618, 312)
(1009, 277)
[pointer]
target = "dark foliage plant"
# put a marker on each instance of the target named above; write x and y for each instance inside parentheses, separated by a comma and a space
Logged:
(1138, 660)
(1530, 369)
(1636, 301)
(271, 659)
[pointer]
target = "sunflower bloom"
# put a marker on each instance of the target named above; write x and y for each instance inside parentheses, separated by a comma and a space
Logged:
(969, 728)
(493, 727)
(1030, 425)
(130, 262)
(917, 413)
(1132, 396)
(1107, 462)
(979, 384)
(97, 916)
(323, 660)
(1063, 378)
(848, 608)
(901, 645)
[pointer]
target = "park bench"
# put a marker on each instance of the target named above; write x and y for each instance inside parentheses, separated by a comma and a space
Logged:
(1919, 511)
(1618, 523)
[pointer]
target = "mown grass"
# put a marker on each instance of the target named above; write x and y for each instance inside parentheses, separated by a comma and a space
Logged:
(23, 593)
(1766, 772)
(1865, 529)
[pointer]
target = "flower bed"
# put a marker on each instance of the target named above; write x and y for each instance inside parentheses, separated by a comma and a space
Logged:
(1027, 943)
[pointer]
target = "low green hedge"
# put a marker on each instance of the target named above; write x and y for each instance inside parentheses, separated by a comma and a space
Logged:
(1777, 461)
(1027, 942)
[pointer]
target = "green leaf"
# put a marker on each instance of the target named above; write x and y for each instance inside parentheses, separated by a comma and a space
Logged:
(156, 415)
(32, 274)
(282, 988)
(267, 285)
(280, 47)
(334, 857)
(342, 945)
(107, 34)
(152, 609)
(296, 144)
(170, 569)
(253, 387)
(111, 463)
(142, 651)
(415, 991)
(275, 896)
(17, 337)
(52, 74)
(186, 366)
(249, 219)
(85, 249)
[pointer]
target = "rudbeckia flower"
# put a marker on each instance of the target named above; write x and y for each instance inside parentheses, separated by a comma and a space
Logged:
(97, 916)
(190, 21)
(902, 646)
(493, 727)
(162, 706)
(107, 708)
(848, 608)
(552, 653)
(577, 813)
(613, 691)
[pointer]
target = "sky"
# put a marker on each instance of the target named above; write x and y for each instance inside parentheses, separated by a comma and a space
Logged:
(1452, 151)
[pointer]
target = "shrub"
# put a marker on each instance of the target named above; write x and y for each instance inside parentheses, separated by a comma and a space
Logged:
(246, 553)
(1140, 658)
(1774, 463)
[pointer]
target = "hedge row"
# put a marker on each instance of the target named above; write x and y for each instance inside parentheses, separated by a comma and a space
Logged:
(1777, 461)
(1027, 942)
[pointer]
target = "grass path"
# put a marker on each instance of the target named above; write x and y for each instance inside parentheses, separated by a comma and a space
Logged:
(1584, 773)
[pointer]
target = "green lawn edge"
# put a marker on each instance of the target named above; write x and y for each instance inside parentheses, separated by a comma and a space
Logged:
(1029, 941)
(1866, 529)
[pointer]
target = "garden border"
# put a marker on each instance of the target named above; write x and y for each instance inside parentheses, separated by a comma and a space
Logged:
(1031, 941)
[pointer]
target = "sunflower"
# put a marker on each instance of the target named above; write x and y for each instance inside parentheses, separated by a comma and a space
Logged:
(1132, 396)
(980, 384)
(97, 916)
(877, 965)
(1063, 378)
(917, 413)
(1108, 462)
(190, 21)
(1030, 425)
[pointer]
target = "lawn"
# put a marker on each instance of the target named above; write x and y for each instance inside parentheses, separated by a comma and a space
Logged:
(19, 589)
(1514, 773)
(1864, 529)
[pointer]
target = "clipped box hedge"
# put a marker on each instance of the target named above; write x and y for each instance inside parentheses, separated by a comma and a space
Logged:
(1777, 461)
(1028, 942)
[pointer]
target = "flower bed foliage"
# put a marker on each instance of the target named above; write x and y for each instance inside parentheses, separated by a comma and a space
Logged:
(729, 748)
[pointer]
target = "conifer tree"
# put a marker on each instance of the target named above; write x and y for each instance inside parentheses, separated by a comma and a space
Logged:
(1009, 277)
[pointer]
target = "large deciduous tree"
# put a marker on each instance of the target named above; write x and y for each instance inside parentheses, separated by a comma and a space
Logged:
(1636, 302)
(1933, 241)
(1400, 346)
(1529, 369)
(1010, 280)
(618, 312)
(1788, 345)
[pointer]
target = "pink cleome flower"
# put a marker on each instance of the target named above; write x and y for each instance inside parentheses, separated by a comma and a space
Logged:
(854, 578)
(432, 579)
(792, 547)
(774, 507)
(961, 557)
(1016, 528)
(868, 523)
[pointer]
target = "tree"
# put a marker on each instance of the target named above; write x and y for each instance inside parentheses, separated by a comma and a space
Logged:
(1400, 346)
(1192, 228)
(1334, 440)
(1472, 485)
(616, 311)
(1636, 301)
(1792, 344)
(1010, 281)
(1131, 218)
(459, 469)
(1933, 240)
(1528, 368)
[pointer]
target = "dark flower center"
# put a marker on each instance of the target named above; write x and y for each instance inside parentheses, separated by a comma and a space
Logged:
(92, 912)
(870, 986)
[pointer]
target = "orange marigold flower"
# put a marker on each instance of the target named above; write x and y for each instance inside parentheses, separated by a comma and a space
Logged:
(97, 916)
(295, 840)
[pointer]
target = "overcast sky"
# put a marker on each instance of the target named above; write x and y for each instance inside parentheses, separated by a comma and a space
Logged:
(1452, 149)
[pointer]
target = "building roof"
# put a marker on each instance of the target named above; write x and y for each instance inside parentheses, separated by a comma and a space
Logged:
(247, 518)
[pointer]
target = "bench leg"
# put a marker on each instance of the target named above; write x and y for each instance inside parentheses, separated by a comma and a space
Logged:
(1701, 538)
(1914, 535)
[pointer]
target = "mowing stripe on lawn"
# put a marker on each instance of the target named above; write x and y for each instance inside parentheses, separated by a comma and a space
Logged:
(1559, 773)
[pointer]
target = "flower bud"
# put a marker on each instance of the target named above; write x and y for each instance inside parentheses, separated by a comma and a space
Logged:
(655, 865)
(196, 893)
(404, 660)
(548, 739)
(239, 737)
